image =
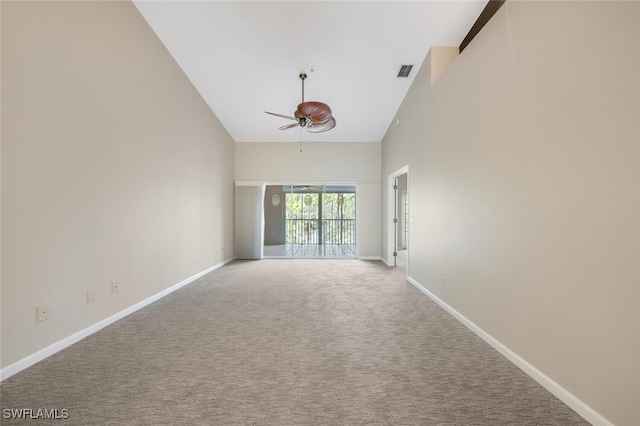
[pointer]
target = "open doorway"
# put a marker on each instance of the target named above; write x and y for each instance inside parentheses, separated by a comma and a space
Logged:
(398, 213)
(310, 221)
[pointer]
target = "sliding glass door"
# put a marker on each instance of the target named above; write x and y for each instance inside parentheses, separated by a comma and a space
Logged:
(310, 221)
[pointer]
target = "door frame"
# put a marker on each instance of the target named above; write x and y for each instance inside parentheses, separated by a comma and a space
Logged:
(391, 228)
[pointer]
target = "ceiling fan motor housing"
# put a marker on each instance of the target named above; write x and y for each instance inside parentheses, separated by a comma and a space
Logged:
(317, 112)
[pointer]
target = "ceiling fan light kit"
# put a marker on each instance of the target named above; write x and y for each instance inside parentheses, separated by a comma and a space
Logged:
(315, 116)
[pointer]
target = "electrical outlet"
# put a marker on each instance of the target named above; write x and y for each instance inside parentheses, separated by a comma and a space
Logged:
(91, 296)
(42, 313)
(114, 287)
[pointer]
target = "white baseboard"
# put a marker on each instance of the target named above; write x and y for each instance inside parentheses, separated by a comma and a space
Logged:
(369, 257)
(561, 393)
(386, 263)
(36, 357)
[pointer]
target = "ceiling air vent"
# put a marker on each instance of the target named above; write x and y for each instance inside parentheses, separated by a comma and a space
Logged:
(405, 70)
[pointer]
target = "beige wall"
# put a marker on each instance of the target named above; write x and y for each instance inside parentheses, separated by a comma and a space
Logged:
(113, 169)
(347, 162)
(525, 185)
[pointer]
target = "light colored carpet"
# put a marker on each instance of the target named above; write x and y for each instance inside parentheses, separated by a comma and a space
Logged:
(287, 342)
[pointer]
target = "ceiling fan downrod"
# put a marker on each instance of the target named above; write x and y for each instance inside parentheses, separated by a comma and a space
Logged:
(302, 76)
(302, 120)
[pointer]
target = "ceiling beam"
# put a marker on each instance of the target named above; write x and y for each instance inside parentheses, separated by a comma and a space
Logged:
(489, 10)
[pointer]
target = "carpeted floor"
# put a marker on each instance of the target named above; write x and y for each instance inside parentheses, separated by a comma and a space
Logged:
(287, 342)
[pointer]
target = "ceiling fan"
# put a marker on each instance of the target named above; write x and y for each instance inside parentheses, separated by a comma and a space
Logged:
(315, 116)
(309, 187)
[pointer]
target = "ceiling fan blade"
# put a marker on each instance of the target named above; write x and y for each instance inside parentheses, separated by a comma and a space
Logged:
(288, 126)
(323, 127)
(317, 112)
(280, 115)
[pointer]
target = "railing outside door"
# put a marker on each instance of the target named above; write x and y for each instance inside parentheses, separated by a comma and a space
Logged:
(320, 218)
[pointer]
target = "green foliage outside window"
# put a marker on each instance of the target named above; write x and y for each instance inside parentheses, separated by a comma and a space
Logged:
(303, 218)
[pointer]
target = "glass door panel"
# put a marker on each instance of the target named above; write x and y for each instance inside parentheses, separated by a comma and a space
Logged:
(311, 221)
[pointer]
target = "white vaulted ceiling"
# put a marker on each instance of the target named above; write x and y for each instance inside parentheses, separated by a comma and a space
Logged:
(244, 58)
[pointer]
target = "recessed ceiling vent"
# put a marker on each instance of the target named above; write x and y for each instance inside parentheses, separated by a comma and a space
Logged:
(405, 70)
